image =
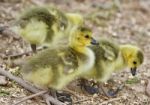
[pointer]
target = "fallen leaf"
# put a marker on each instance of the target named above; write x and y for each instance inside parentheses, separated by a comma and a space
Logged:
(133, 80)
(4, 93)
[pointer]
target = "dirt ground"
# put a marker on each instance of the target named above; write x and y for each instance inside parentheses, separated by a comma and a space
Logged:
(126, 21)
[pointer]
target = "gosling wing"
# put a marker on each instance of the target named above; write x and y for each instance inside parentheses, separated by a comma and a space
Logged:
(39, 13)
(110, 50)
(106, 50)
(53, 57)
(70, 60)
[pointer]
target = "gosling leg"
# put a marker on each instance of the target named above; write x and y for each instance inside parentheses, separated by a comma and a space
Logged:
(61, 96)
(89, 86)
(33, 47)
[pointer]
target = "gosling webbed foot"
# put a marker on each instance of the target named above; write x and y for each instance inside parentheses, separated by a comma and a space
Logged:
(61, 96)
(113, 93)
(90, 89)
(96, 88)
(89, 86)
(64, 97)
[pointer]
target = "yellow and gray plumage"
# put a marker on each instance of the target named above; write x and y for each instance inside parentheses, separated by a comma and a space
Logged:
(57, 66)
(45, 25)
(50, 68)
(111, 57)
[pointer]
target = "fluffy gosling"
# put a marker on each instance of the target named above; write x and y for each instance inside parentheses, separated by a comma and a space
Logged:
(45, 25)
(111, 57)
(56, 67)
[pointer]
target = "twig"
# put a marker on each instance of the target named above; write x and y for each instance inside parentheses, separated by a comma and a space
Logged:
(27, 86)
(111, 100)
(29, 97)
(85, 100)
(81, 101)
(71, 92)
(5, 31)
(147, 89)
(19, 55)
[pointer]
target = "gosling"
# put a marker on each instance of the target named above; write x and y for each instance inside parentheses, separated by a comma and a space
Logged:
(45, 25)
(111, 57)
(57, 66)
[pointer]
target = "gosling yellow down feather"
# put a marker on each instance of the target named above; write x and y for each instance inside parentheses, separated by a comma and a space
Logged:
(45, 25)
(111, 57)
(55, 67)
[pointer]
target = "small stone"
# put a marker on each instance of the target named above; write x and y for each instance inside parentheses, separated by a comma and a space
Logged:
(131, 77)
(124, 97)
(142, 82)
(106, 83)
(29, 101)
(95, 95)
(109, 104)
(3, 80)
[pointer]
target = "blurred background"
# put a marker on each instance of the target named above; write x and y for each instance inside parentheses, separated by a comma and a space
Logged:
(125, 21)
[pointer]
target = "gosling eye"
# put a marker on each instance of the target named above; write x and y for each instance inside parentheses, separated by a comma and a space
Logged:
(78, 38)
(87, 36)
(134, 62)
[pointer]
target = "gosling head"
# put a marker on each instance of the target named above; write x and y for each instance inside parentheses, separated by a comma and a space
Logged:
(81, 37)
(75, 18)
(133, 57)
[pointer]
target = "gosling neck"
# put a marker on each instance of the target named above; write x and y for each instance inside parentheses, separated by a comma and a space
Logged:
(123, 55)
(87, 58)
(79, 48)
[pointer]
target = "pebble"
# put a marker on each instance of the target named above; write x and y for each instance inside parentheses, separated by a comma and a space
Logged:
(3, 80)
(142, 82)
(109, 104)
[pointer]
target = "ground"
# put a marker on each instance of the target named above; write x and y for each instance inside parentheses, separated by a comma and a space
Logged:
(126, 21)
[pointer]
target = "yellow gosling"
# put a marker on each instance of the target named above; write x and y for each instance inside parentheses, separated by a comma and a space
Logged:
(111, 57)
(56, 67)
(46, 25)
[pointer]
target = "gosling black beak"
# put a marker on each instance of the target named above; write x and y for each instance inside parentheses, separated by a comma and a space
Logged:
(94, 42)
(133, 71)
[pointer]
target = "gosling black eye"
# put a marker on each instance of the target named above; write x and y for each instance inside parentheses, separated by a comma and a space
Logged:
(134, 62)
(87, 36)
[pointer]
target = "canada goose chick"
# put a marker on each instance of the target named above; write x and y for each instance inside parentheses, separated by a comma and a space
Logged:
(46, 25)
(56, 67)
(34, 25)
(75, 18)
(111, 57)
